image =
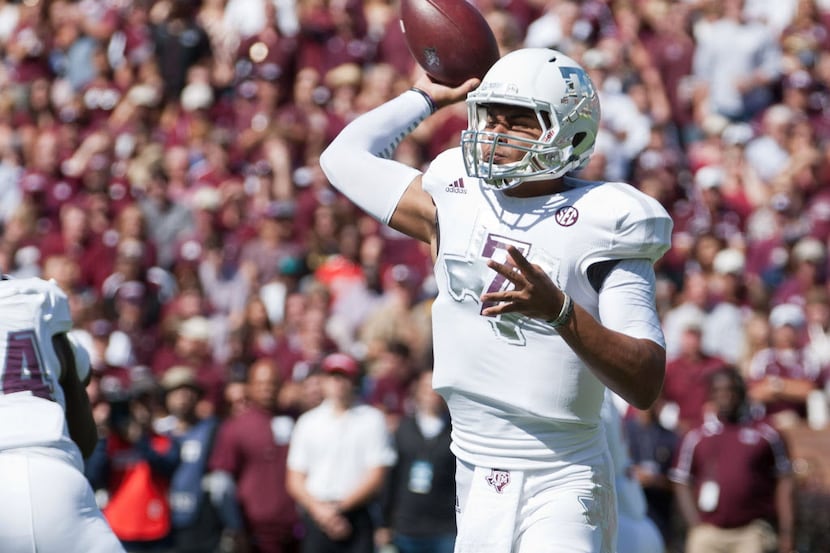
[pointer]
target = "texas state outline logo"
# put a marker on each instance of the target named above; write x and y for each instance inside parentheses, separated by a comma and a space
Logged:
(498, 479)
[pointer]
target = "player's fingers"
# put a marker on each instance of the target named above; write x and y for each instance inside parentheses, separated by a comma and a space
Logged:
(468, 85)
(509, 271)
(514, 296)
(520, 260)
(500, 308)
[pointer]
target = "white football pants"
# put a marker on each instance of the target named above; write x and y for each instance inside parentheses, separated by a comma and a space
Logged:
(48, 507)
(567, 509)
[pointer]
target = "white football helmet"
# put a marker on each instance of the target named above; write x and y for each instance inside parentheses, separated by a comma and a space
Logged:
(566, 104)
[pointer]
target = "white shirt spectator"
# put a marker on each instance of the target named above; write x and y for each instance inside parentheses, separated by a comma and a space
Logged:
(335, 451)
(247, 17)
(728, 51)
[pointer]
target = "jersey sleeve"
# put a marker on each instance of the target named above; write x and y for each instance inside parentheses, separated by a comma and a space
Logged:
(638, 227)
(627, 301)
(446, 167)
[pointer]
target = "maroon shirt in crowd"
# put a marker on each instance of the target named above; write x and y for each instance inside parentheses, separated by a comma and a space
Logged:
(744, 460)
(686, 384)
(255, 455)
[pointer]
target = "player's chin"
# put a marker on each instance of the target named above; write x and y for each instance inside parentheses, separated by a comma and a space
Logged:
(500, 157)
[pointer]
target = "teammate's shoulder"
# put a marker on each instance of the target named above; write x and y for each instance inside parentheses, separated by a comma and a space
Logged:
(30, 285)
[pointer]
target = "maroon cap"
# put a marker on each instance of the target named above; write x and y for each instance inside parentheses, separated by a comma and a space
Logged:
(340, 363)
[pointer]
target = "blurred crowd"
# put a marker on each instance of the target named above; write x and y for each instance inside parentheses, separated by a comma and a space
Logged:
(159, 160)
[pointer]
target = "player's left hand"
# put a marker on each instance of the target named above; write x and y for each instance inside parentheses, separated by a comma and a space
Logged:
(533, 293)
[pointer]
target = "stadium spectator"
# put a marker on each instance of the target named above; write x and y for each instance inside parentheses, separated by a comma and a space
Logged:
(391, 376)
(418, 501)
(196, 523)
(724, 333)
(652, 448)
(737, 83)
(817, 314)
(337, 462)
(191, 347)
(686, 387)
(132, 468)
(782, 375)
(249, 457)
(733, 479)
(636, 531)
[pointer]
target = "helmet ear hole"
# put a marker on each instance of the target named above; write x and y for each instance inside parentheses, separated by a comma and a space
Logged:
(578, 138)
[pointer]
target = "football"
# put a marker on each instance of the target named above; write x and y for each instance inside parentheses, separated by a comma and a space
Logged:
(450, 39)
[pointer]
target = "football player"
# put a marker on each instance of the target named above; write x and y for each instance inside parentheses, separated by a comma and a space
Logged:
(46, 427)
(546, 293)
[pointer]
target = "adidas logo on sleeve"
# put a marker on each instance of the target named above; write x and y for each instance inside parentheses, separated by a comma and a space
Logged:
(456, 187)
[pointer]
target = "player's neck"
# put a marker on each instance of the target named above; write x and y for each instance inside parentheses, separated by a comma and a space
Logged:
(531, 189)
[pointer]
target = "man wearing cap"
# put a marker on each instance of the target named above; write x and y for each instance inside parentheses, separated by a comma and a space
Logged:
(191, 347)
(196, 524)
(338, 459)
(781, 376)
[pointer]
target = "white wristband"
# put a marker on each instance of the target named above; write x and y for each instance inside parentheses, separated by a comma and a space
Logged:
(564, 313)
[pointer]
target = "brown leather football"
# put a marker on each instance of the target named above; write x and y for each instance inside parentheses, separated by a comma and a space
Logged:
(450, 39)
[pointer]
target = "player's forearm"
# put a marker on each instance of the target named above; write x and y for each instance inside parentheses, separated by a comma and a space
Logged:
(633, 368)
(79, 420)
(78, 411)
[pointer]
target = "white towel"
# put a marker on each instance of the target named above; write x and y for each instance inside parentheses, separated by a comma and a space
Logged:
(488, 521)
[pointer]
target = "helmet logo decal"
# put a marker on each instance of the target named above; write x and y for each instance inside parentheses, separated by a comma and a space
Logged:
(566, 216)
(578, 82)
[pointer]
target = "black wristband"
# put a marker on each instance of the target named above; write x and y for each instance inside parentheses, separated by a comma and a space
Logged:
(432, 106)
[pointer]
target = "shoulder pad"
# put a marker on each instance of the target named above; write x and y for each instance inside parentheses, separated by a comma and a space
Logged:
(642, 228)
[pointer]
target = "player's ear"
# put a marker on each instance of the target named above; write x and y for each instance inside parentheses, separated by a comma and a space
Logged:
(73, 357)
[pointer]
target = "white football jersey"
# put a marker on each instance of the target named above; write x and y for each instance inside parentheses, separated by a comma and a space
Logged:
(511, 382)
(32, 404)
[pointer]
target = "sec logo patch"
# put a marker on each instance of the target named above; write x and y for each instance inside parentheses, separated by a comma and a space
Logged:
(566, 216)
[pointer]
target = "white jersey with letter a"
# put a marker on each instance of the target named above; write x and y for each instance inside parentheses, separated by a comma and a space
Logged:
(32, 403)
(518, 394)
